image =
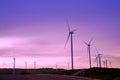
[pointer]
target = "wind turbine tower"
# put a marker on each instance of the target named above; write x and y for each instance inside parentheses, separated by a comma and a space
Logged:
(56, 66)
(70, 35)
(99, 58)
(68, 65)
(34, 66)
(89, 51)
(26, 65)
(110, 64)
(106, 63)
(14, 65)
(96, 60)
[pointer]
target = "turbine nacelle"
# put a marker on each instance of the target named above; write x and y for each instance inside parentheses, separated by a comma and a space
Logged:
(89, 43)
(72, 32)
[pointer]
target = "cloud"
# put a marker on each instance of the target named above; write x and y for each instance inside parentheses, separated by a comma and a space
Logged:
(32, 47)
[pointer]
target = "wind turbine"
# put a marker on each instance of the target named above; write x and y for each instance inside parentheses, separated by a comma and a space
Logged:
(34, 66)
(68, 65)
(98, 58)
(56, 66)
(104, 63)
(26, 65)
(89, 51)
(110, 63)
(70, 35)
(14, 60)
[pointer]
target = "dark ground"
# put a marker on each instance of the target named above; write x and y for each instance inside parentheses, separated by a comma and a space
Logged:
(40, 77)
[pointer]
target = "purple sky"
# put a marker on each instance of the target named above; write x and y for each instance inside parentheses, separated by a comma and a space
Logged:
(36, 30)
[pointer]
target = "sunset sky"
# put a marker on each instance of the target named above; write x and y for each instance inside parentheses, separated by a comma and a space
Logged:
(36, 30)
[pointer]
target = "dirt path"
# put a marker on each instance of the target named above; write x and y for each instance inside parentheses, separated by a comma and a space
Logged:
(39, 77)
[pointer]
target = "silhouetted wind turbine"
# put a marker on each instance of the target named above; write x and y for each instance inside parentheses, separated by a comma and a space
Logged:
(104, 63)
(68, 65)
(89, 52)
(14, 65)
(34, 66)
(26, 65)
(56, 66)
(99, 57)
(70, 35)
(110, 63)
(96, 60)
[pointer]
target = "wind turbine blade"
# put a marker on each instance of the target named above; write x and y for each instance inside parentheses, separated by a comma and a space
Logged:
(97, 50)
(67, 39)
(90, 40)
(74, 30)
(85, 42)
(95, 59)
(68, 25)
(96, 54)
(100, 55)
